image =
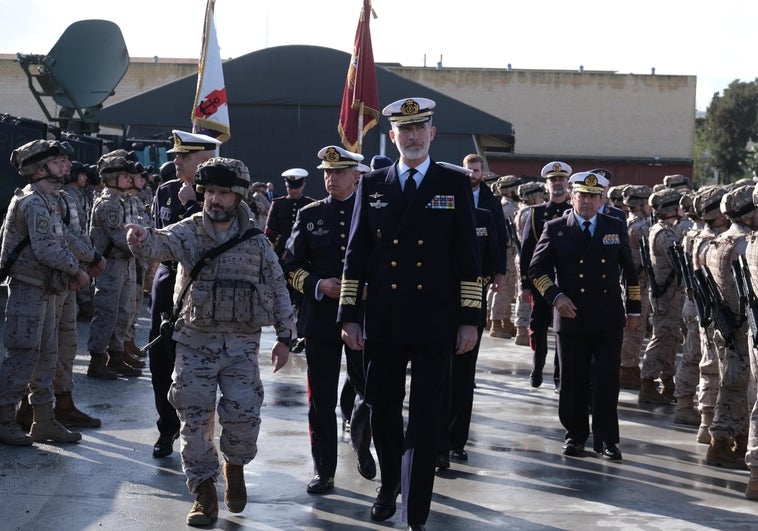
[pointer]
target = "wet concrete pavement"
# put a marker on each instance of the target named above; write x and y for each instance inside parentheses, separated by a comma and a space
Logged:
(515, 478)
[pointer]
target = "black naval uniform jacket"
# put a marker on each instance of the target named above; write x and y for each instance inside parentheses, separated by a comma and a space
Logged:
(490, 252)
(316, 250)
(489, 201)
(420, 264)
(538, 216)
(587, 271)
(281, 218)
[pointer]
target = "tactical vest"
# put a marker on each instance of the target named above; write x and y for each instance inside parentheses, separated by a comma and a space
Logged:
(662, 237)
(638, 227)
(106, 206)
(751, 255)
(230, 293)
(27, 268)
(723, 249)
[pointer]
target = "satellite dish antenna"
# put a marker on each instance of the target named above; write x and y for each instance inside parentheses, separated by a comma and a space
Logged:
(79, 73)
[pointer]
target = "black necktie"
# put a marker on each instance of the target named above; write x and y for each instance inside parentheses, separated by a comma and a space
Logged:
(587, 229)
(410, 185)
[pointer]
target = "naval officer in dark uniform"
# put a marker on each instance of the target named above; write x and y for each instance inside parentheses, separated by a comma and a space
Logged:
(556, 175)
(283, 210)
(169, 206)
(575, 267)
(313, 264)
(413, 247)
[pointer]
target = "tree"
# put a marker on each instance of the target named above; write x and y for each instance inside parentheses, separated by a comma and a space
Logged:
(731, 125)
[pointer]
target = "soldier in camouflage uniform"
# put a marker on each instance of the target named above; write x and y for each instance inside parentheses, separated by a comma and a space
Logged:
(218, 331)
(638, 225)
(616, 197)
(688, 370)
(707, 203)
(666, 298)
(501, 311)
(75, 186)
(751, 457)
(729, 429)
(114, 297)
(531, 194)
(41, 266)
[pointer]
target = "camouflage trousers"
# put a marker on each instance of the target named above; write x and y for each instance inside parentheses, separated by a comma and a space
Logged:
(501, 306)
(113, 303)
(751, 457)
(65, 315)
(731, 416)
(632, 342)
(225, 362)
(688, 370)
(523, 313)
(710, 371)
(660, 354)
(31, 343)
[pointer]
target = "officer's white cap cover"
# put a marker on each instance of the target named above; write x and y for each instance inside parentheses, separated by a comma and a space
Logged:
(555, 169)
(588, 182)
(337, 158)
(409, 111)
(185, 142)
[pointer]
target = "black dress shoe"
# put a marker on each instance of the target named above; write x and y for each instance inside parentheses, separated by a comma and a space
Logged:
(385, 504)
(367, 466)
(535, 379)
(443, 461)
(164, 446)
(416, 527)
(608, 451)
(459, 454)
(573, 448)
(319, 485)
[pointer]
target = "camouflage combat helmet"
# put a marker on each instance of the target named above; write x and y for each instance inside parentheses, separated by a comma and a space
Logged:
(636, 195)
(707, 201)
(531, 188)
(738, 202)
(664, 201)
(225, 173)
(30, 157)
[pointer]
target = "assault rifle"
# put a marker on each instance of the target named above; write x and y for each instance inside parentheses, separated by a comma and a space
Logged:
(748, 299)
(511, 233)
(721, 315)
(682, 262)
(648, 265)
(674, 254)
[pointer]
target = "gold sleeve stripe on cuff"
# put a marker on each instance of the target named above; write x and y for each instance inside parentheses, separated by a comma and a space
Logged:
(348, 292)
(471, 303)
(297, 279)
(543, 283)
(633, 293)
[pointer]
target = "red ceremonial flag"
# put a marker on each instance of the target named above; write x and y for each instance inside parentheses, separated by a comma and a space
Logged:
(360, 100)
(210, 112)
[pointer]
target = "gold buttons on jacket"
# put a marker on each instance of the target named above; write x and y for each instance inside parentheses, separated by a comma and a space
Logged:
(395, 242)
(393, 286)
(581, 290)
(421, 242)
(581, 275)
(419, 287)
(418, 264)
(393, 263)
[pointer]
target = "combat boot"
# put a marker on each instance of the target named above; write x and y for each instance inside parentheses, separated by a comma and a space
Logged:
(509, 328)
(668, 389)
(10, 432)
(133, 349)
(497, 330)
(720, 454)
(133, 360)
(751, 491)
(740, 447)
(98, 369)
(522, 336)
(685, 412)
(46, 428)
(116, 363)
(205, 509)
(69, 415)
(235, 496)
(706, 418)
(629, 378)
(649, 393)
(24, 415)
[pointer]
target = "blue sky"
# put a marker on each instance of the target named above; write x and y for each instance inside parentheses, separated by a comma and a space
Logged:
(675, 37)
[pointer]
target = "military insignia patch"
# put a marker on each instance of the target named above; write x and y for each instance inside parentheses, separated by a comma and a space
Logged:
(41, 224)
(112, 218)
(481, 232)
(442, 202)
(611, 239)
(378, 204)
(376, 195)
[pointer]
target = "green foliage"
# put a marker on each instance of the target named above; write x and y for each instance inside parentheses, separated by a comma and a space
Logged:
(731, 126)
